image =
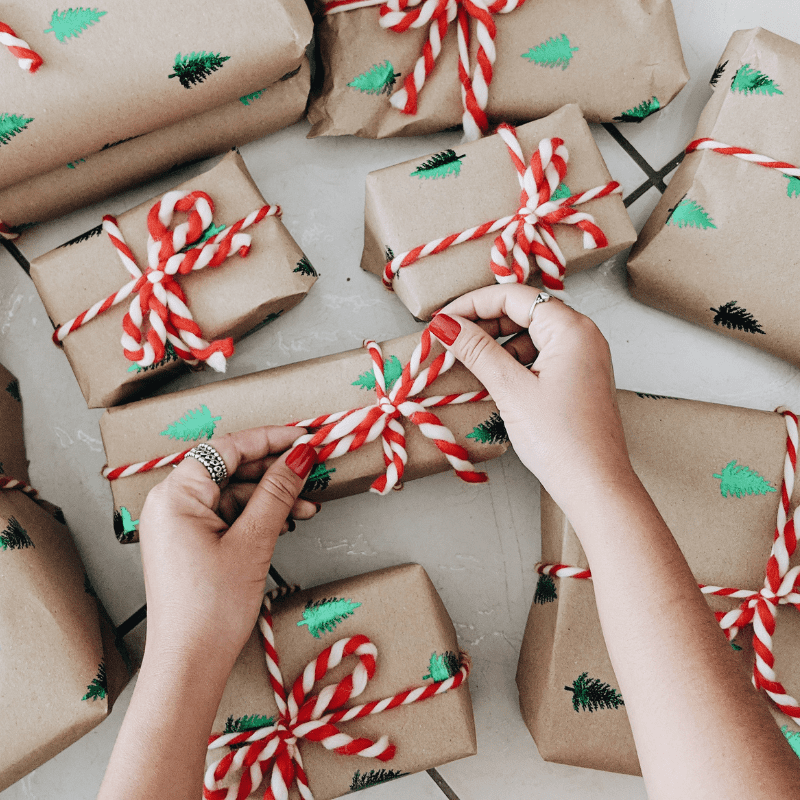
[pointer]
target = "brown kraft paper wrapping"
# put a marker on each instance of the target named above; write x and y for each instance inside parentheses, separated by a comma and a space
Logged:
(133, 433)
(700, 262)
(404, 211)
(404, 617)
(110, 80)
(677, 448)
(619, 55)
(61, 667)
(135, 161)
(229, 300)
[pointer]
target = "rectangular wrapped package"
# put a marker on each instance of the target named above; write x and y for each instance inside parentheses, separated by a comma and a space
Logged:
(160, 429)
(421, 201)
(62, 667)
(109, 75)
(714, 472)
(618, 59)
(229, 300)
(399, 611)
(119, 166)
(694, 257)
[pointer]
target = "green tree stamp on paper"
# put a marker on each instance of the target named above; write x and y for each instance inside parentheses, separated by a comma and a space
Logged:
(169, 355)
(441, 667)
(209, 233)
(736, 479)
(319, 478)
(591, 694)
(378, 79)
(689, 214)
(793, 187)
(793, 738)
(98, 688)
(14, 536)
(748, 80)
(557, 51)
(248, 722)
(640, 112)
(305, 267)
(439, 166)
(492, 431)
(124, 525)
(732, 316)
(562, 191)
(324, 615)
(247, 99)
(74, 164)
(11, 125)
(545, 590)
(392, 370)
(72, 22)
(193, 425)
(373, 778)
(196, 67)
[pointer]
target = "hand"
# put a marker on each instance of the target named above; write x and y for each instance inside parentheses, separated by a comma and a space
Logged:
(561, 414)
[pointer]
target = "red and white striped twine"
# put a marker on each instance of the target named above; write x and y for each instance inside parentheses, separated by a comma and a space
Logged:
(28, 59)
(7, 232)
(785, 167)
(21, 486)
(400, 15)
(156, 292)
(529, 232)
(759, 608)
(274, 749)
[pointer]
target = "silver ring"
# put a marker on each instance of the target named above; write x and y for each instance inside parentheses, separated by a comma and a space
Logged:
(210, 458)
(542, 297)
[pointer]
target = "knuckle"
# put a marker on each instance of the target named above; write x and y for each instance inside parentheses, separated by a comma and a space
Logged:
(279, 486)
(474, 349)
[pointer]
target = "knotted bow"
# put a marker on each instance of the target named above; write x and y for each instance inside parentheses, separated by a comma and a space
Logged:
(301, 715)
(156, 291)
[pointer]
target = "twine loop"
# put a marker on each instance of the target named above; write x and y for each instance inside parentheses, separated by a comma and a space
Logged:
(28, 59)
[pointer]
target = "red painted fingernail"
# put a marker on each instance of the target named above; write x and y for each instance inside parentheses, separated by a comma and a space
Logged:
(445, 328)
(301, 460)
(318, 507)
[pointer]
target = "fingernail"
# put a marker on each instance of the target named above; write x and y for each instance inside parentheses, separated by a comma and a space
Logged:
(445, 328)
(301, 460)
(292, 526)
(318, 506)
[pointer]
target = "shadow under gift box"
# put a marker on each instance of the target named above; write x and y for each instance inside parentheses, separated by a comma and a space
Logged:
(229, 300)
(406, 208)
(399, 610)
(146, 430)
(609, 56)
(679, 449)
(721, 246)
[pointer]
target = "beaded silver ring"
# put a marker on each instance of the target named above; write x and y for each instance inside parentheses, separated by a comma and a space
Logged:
(209, 457)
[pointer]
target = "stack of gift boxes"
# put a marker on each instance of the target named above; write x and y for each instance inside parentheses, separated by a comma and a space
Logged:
(180, 279)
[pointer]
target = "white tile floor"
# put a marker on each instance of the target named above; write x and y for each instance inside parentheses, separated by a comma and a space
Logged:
(478, 543)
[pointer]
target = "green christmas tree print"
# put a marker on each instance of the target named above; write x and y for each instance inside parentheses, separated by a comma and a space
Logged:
(124, 525)
(98, 688)
(11, 125)
(249, 722)
(96, 231)
(169, 355)
(373, 778)
(689, 214)
(305, 267)
(545, 590)
(319, 478)
(735, 647)
(441, 667)
(196, 67)
(13, 390)
(557, 51)
(324, 615)
(749, 80)
(562, 191)
(14, 536)
(378, 79)
(439, 166)
(736, 479)
(74, 164)
(590, 694)
(193, 425)
(640, 112)
(793, 187)
(793, 737)
(492, 431)
(72, 22)
(247, 99)
(392, 370)
(718, 70)
(732, 316)
(211, 231)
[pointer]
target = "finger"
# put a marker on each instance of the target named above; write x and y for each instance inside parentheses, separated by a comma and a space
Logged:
(502, 326)
(253, 470)
(521, 347)
(305, 509)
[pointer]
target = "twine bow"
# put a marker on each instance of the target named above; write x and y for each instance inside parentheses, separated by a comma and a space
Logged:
(157, 295)
(301, 715)
(28, 59)
(528, 232)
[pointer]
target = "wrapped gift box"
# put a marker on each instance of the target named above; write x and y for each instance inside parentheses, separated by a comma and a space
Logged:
(694, 257)
(408, 206)
(714, 472)
(229, 300)
(618, 59)
(400, 612)
(161, 426)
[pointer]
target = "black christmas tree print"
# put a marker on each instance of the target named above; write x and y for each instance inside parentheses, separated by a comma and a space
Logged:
(319, 478)
(378, 79)
(247, 99)
(392, 370)
(689, 214)
(718, 70)
(249, 722)
(169, 355)
(388, 256)
(96, 231)
(324, 615)
(14, 536)
(72, 22)
(439, 166)
(211, 231)
(98, 688)
(119, 141)
(732, 316)
(748, 80)
(557, 51)
(11, 125)
(305, 267)
(58, 515)
(492, 431)
(793, 738)
(441, 667)
(591, 694)
(640, 112)
(656, 396)
(124, 525)
(193, 425)
(196, 67)
(545, 590)
(373, 778)
(736, 479)
(13, 390)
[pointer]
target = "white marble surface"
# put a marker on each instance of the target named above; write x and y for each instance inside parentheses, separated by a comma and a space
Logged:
(478, 543)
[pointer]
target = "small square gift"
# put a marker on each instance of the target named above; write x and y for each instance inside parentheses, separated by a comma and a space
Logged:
(716, 474)
(539, 196)
(365, 672)
(376, 417)
(178, 279)
(721, 246)
(418, 67)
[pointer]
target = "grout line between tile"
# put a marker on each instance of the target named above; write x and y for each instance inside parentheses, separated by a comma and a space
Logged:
(17, 255)
(640, 160)
(124, 628)
(442, 784)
